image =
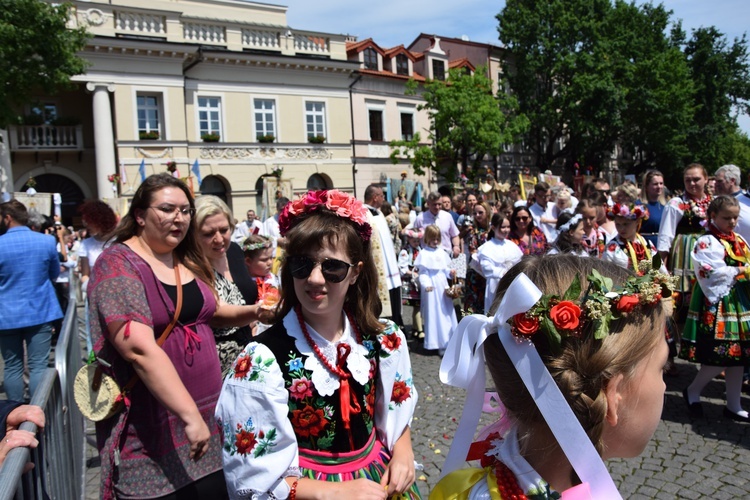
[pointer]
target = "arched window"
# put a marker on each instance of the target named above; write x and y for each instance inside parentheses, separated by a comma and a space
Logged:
(215, 186)
(316, 182)
(71, 194)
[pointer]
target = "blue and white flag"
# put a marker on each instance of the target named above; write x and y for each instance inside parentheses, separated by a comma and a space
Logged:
(142, 170)
(197, 171)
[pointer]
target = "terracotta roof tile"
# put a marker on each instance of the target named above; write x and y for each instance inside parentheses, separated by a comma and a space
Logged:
(388, 74)
(460, 63)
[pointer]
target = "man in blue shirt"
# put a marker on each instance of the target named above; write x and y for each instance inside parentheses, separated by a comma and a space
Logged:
(28, 305)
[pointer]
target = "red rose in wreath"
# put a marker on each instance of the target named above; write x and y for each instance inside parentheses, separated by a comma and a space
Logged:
(401, 392)
(309, 421)
(565, 315)
(627, 303)
(526, 325)
(242, 366)
(245, 442)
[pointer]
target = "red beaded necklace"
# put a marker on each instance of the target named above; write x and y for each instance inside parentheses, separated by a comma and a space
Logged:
(348, 400)
(507, 484)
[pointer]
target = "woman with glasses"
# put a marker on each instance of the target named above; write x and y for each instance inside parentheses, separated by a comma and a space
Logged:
(165, 442)
(476, 229)
(525, 234)
(319, 405)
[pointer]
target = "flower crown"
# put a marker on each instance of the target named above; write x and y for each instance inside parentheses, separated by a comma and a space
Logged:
(249, 247)
(627, 210)
(342, 204)
(573, 222)
(558, 317)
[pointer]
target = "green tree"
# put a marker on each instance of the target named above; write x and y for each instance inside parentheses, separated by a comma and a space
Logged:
(721, 75)
(467, 123)
(651, 71)
(560, 71)
(37, 52)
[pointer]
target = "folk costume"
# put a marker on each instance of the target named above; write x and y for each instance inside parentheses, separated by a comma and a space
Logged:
(495, 258)
(537, 244)
(681, 225)
(438, 314)
(629, 254)
(475, 282)
(717, 330)
(284, 412)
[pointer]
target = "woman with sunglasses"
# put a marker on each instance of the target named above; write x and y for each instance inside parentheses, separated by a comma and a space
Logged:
(319, 405)
(165, 442)
(525, 234)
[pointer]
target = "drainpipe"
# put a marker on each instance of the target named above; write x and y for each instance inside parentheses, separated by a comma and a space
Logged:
(351, 117)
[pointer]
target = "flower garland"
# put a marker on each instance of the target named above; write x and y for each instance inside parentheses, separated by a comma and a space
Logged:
(628, 210)
(692, 208)
(342, 204)
(557, 317)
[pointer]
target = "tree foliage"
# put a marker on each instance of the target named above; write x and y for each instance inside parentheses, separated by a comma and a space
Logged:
(721, 76)
(37, 52)
(467, 123)
(592, 75)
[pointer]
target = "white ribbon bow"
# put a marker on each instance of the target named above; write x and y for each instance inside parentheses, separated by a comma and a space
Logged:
(463, 366)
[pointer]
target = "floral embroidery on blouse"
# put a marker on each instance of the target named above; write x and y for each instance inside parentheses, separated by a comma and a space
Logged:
(251, 369)
(401, 390)
(246, 439)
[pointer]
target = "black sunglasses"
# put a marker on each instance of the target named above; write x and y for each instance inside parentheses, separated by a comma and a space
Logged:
(334, 270)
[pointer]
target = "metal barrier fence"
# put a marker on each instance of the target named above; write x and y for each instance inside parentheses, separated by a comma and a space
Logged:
(59, 460)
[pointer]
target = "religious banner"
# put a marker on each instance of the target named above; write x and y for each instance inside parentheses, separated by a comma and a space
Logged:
(40, 202)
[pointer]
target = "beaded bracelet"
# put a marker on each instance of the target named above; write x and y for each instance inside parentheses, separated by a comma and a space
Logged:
(293, 490)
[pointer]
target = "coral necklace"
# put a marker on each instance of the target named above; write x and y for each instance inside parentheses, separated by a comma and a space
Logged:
(348, 400)
(507, 484)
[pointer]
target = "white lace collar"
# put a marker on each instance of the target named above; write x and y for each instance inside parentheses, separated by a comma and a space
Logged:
(507, 451)
(325, 382)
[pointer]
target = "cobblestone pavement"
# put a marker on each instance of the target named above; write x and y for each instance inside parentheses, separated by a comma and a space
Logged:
(687, 458)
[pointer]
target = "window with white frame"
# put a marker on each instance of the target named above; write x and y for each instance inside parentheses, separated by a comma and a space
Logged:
(149, 110)
(376, 124)
(315, 119)
(370, 58)
(265, 118)
(407, 124)
(402, 65)
(209, 115)
(438, 69)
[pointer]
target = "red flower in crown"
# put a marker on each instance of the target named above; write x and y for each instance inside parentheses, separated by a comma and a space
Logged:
(565, 315)
(526, 325)
(342, 204)
(627, 303)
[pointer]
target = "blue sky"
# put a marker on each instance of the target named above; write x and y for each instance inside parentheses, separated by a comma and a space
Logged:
(395, 22)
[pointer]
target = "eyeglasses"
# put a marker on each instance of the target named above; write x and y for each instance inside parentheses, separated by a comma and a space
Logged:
(522, 219)
(171, 210)
(333, 270)
(604, 191)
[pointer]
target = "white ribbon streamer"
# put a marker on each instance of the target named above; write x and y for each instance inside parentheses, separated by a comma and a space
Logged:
(463, 366)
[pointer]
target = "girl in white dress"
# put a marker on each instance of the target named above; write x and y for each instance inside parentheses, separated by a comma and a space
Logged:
(438, 313)
(497, 256)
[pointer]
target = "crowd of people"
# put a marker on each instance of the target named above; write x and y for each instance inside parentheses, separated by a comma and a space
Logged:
(269, 358)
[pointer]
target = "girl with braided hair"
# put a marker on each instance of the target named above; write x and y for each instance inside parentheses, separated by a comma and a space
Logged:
(576, 351)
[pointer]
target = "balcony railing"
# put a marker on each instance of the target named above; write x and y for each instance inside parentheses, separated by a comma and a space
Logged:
(46, 137)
